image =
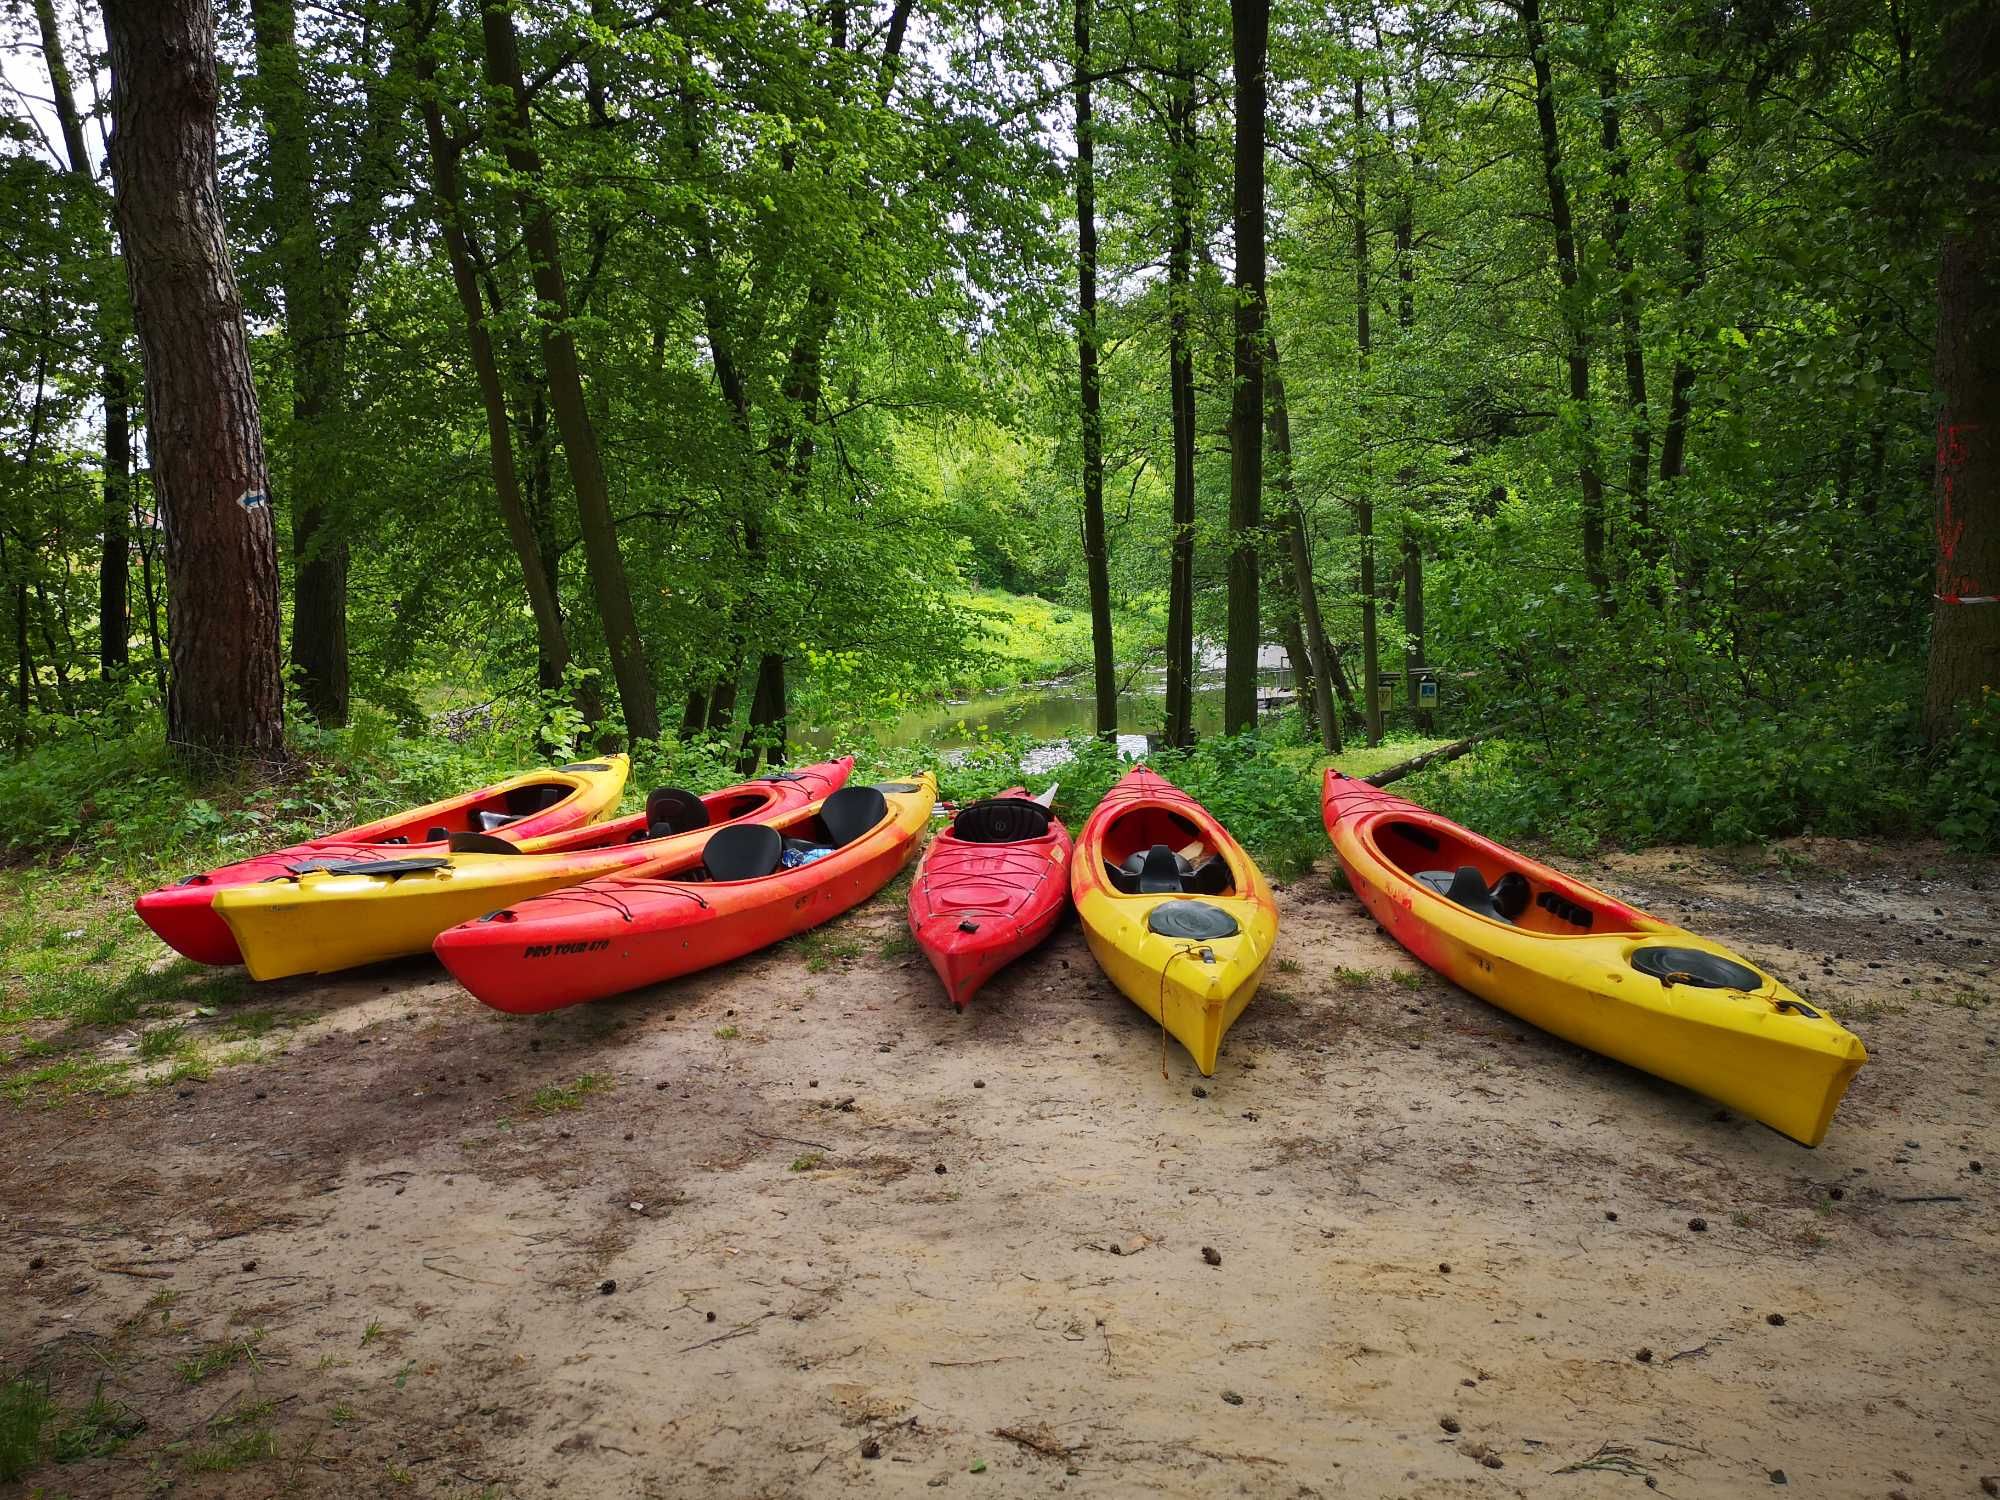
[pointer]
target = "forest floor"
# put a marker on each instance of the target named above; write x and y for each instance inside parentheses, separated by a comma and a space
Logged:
(795, 1227)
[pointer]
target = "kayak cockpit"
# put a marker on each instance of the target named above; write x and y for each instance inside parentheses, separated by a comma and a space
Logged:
(1154, 851)
(1497, 883)
(479, 814)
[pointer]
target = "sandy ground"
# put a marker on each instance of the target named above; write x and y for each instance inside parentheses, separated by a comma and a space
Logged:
(809, 1231)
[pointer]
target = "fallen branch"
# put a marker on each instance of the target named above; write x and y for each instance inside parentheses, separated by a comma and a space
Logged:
(734, 1333)
(1048, 1447)
(1416, 763)
(1933, 1198)
(123, 1270)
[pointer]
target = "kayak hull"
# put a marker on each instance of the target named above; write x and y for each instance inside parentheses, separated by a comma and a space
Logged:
(1195, 989)
(183, 916)
(610, 936)
(325, 921)
(1761, 1050)
(976, 907)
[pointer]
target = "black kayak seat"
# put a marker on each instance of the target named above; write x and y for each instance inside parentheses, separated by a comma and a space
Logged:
(437, 833)
(488, 821)
(481, 843)
(1209, 878)
(1001, 820)
(743, 851)
(851, 812)
(670, 809)
(1467, 887)
(1160, 874)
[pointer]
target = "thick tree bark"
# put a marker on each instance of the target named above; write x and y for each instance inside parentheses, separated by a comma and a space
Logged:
(537, 576)
(1573, 306)
(1250, 27)
(766, 733)
(226, 695)
(1180, 386)
(1364, 521)
(114, 571)
(1639, 455)
(1306, 642)
(579, 434)
(1096, 558)
(1965, 619)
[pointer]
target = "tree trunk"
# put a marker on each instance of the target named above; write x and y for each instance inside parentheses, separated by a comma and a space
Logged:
(1312, 656)
(537, 576)
(1413, 627)
(1694, 269)
(1573, 305)
(1639, 457)
(766, 732)
(1364, 341)
(1250, 28)
(114, 572)
(226, 696)
(579, 433)
(1965, 619)
(1180, 385)
(1096, 559)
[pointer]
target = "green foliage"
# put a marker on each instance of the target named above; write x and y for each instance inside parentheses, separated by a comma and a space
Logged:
(561, 1098)
(25, 1409)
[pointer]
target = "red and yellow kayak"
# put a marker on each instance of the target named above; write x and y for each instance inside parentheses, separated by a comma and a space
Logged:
(733, 895)
(1174, 911)
(531, 805)
(992, 886)
(321, 915)
(1573, 960)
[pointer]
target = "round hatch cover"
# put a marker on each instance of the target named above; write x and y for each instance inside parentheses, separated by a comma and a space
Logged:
(1696, 966)
(1191, 919)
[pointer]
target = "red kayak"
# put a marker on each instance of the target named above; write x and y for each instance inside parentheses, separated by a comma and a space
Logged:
(528, 806)
(750, 885)
(993, 885)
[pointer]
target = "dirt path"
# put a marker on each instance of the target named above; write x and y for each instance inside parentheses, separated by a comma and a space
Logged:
(797, 1228)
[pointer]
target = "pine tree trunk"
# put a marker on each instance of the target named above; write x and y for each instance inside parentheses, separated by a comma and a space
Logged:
(226, 695)
(1694, 269)
(1250, 28)
(1965, 619)
(1573, 306)
(1096, 559)
(579, 433)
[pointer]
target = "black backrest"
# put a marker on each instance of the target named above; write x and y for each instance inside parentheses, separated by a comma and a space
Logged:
(488, 821)
(1160, 875)
(1511, 894)
(743, 851)
(1001, 820)
(481, 843)
(536, 796)
(1468, 889)
(672, 810)
(1209, 878)
(851, 812)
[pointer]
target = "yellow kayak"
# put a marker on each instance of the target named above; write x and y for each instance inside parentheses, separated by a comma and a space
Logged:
(323, 915)
(1175, 912)
(1572, 960)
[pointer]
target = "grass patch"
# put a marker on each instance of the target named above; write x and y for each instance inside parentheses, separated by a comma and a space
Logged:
(371, 1333)
(560, 1098)
(66, 1079)
(25, 1409)
(898, 944)
(1408, 979)
(101, 1427)
(238, 1450)
(1364, 760)
(158, 1043)
(1287, 966)
(823, 947)
(1353, 979)
(727, 1033)
(216, 1358)
(811, 1161)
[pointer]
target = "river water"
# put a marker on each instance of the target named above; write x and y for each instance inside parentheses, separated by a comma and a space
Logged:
(1065, 710)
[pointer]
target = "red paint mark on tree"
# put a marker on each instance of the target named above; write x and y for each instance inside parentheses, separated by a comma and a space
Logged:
(1951, 457)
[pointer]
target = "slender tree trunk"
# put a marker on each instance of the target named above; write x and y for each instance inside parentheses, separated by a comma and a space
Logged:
(1371, 656)
(1306, 643)
(1096, 558)
(1573, 305)
(1639, 456)
(600, 534)
(1965, 620)
(767, 715)
(226, 696)
(1250, 27)
(1694, 270)
(114, 572)
(537, 575)
(1180, 385)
